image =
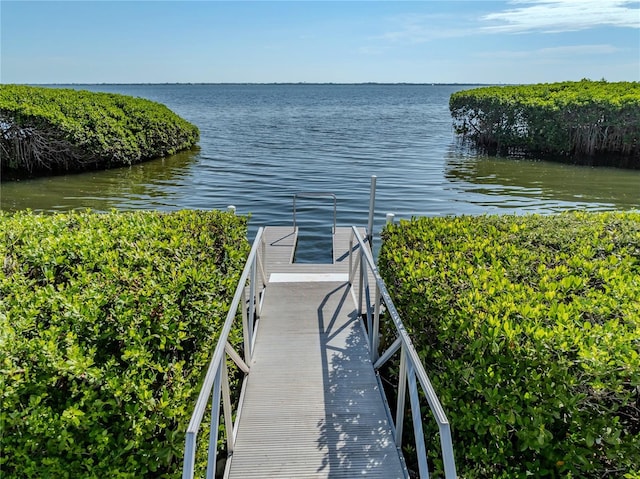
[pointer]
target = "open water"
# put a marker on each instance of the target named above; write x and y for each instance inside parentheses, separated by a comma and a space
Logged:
(260, 144)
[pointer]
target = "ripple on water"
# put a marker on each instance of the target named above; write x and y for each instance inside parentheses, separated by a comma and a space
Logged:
(260, 144)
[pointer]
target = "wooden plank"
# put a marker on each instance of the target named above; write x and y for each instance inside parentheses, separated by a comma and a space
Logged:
(312, 407)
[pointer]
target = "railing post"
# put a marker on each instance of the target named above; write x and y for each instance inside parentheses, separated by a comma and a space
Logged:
(252, 300)
(189, 456)
(256, 287)
(360, 281)
(402, 392)
(351, 257)
(446, 443)
(376, 326)
(213, 431)
(226, 403)
(367, 299)
(263, 260)
(372, 207)
(416, 416)
(246, 331)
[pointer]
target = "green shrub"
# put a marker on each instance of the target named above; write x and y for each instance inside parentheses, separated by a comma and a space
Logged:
(52, 129)
(107, 322)
(529, 327)
(585, 122)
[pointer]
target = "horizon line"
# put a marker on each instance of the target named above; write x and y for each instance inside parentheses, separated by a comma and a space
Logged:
(252, 83)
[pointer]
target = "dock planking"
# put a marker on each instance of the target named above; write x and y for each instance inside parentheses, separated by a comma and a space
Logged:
(312, 407)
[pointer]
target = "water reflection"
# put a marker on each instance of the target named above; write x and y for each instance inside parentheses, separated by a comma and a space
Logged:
(157, 184)
(540, 183)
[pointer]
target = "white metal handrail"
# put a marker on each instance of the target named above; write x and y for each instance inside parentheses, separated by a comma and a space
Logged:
(411, 368)
(315, 194)
(216, 381)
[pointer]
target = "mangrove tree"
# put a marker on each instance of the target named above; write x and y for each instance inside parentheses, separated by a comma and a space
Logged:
(586, 122)
(51, 130)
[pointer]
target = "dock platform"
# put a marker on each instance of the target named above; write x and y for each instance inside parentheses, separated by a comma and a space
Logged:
(312, 406)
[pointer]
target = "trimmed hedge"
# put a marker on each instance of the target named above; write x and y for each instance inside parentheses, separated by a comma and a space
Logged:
(529, 327)
(584, 122)
(107, 322)
(51, 130)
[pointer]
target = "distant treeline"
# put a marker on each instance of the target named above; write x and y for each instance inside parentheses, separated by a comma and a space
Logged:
(586, 122)
(50, 130)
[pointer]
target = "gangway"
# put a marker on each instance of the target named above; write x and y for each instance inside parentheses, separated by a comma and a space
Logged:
(312, 403)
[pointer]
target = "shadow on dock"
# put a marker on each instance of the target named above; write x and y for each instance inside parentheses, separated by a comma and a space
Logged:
(355, 432)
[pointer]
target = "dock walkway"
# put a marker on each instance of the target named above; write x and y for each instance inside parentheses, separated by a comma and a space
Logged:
(312, 407)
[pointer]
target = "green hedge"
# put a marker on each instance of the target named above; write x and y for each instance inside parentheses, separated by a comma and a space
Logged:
(584, 122)
(52, 129)
(529, 327)
(107, 323)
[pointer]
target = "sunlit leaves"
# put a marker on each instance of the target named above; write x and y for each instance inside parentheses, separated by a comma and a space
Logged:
(106, 324)
(530, 329)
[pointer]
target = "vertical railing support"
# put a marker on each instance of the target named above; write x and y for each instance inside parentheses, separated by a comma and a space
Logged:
(360, 282)
(256, 288)
(372, 207)
(351, 258)
(246, 331)
(402, 392)
(189, 456)
(376, 326)
(226, 409)
(263, 261)
(446, 443)
(252, 299)
(213, 431)
(367, 299)
(416, 416)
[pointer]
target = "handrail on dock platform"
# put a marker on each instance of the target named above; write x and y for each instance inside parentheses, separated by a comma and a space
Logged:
(216, 381)
(411, 367)
(370, 295)
(315, 194)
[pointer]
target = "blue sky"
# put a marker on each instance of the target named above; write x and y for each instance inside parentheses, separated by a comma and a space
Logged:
(521, 41)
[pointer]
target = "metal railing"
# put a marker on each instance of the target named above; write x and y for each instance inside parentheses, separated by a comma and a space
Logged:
(315, 194)
(216, 382)
(411, 371)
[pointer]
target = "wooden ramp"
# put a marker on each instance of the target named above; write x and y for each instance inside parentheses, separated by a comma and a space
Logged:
(312, 406)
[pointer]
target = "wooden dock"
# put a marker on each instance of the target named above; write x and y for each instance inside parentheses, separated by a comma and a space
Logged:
(312, 407)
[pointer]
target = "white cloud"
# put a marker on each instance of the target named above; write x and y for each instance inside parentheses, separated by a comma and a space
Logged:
(424, 28)
(564, 15)
(570, 51)
(373, 50)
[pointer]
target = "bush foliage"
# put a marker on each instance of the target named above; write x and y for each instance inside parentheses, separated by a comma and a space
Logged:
(585, 122)
(51, 129)
(529, 327)
(107, 322)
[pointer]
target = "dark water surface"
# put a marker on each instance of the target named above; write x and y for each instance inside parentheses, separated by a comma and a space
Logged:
(260, 144)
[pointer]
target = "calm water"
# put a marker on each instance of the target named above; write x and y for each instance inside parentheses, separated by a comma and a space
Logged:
(260, 144)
